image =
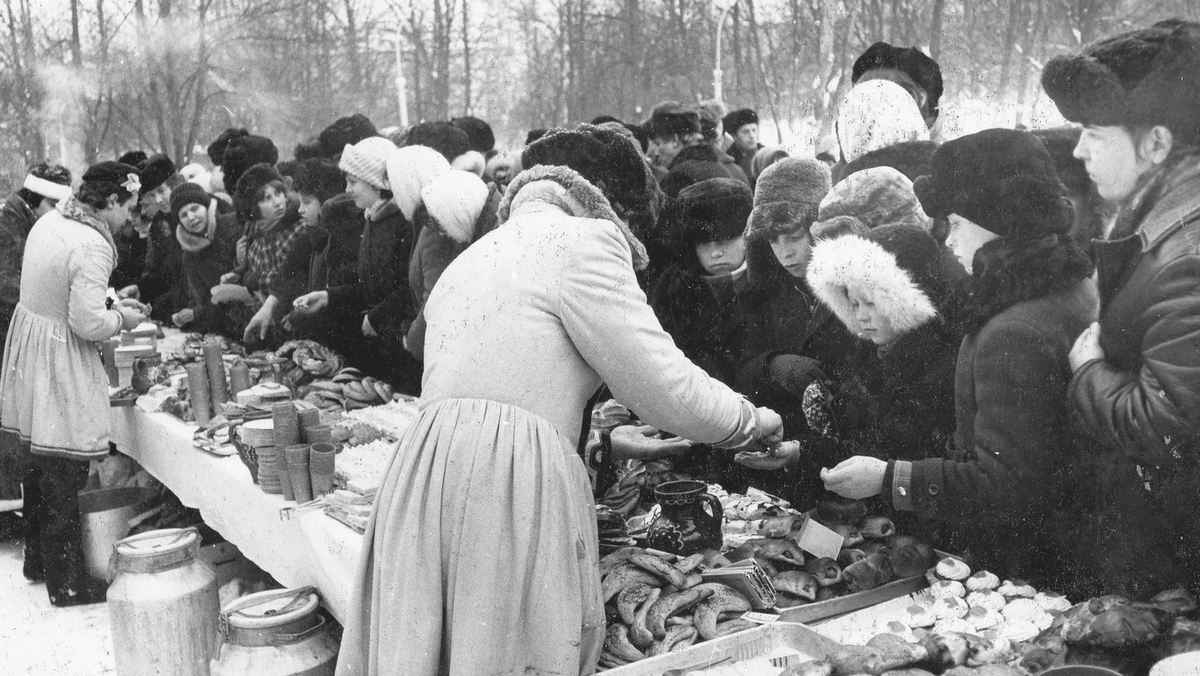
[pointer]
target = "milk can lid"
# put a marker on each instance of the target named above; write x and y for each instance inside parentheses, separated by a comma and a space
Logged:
(272, 608)
(157, 542)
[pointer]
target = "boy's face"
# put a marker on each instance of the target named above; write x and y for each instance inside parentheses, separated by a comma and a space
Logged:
(723, 256)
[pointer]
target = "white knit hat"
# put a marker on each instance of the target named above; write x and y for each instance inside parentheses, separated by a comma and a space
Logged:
(455, 200)
(877, 114)
(367, 160)
(409, 170)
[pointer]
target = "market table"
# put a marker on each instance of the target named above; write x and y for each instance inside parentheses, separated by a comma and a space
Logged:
(310, 548)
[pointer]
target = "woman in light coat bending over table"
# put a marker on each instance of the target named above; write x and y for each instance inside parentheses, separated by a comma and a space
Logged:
(480, 557)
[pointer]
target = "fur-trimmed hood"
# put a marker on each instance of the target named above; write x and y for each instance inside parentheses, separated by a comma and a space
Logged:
(409, 170)
(855, 263)
(565, 188)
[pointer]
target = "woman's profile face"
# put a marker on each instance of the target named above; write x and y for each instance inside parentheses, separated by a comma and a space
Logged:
(965, 238)
(1111, 157)
(364, 193)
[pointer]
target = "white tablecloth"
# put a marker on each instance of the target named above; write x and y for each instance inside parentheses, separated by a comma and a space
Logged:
(309, 549)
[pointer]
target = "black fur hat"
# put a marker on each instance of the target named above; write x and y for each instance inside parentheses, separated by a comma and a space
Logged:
(216, 149)
(243, 152)
(480, 134)
(738, 119)
(670, 118)
(250, 183)
(133, 158)
(443, 137)
(320, 178)
(345, 131)
(1002, 180)
(601, 156)
(1145, 77)
(713, 210)
(155, 170)
(922, 69)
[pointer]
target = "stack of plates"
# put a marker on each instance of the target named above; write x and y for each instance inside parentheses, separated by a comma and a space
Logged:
(259, 433)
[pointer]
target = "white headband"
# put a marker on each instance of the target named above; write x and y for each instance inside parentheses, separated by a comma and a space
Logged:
(48, 189)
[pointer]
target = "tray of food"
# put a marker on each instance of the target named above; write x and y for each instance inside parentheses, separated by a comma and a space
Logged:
(764, 650)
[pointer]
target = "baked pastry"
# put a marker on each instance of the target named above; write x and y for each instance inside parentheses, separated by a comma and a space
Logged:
(982, 618)
(986, 599)
(1052, 602)
(947, 588)
(952, 569)
(950, 607)
(1019, 631)
(918, 615)
(1016, 589)
(1021, 610)
(983, 580)
(895, 627)
(953, 625)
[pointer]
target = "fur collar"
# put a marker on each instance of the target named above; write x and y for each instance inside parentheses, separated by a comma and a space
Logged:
(75, 210)
(852, 262)
(565, 188)
(193, 242)
(1163, 203)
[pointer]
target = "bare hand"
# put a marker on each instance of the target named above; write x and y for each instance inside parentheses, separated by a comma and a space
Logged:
(183, 317)
(1086, 348)
(367, 329)
(777, 457)
(770, 427)
(630, 442)
(312, 302)
(130, 317)
(231, 278)
(259, 325)
(130, 291)
(857, 478)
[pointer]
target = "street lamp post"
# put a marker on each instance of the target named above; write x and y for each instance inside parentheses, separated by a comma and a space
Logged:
(718, 74)
(401, 84)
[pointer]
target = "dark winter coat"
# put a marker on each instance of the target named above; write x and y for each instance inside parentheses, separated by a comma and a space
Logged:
(131, 258)
(202, 271)
(745, 160)
(162, 284)
(697, 163)
(1007, 484)
(323, 256)
(783, 317)
(16, 220)
(1141, 403)
(707, 325)
(267, 249)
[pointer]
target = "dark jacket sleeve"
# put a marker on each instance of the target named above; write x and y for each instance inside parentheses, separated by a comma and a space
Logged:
(157, 276)
(392, 316)
(1019, 381)
(1150, 410)
(291, 280)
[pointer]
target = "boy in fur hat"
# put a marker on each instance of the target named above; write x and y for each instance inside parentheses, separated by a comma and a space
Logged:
(792, 341)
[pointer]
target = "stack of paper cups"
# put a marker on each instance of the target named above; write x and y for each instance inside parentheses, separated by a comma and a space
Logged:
(309, 417)
(287, 424)
(198, 393)
(318, 433)
(321, 457)
(297, 467)
(239, 378)
(216, 373)
(270, 460)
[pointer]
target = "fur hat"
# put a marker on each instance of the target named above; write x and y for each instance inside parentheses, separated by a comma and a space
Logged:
(367, 160)
(875, 197)
(1000, 179)
(875, 115)
(669, 118)
(250, 183)
(455, 200)
(479, 133)
(243, 152)
(900, 267)
(443, 137)
(188, 193)
(155, 170)
(320, 178)
(535, 134)
(409, 170)
(216, 149)
(912, 61)
(913, 159)
(133, 158)
(1145, 77)
(738, 119)
(601, 156)
(787, 196)
(713, 210)
(345, 131)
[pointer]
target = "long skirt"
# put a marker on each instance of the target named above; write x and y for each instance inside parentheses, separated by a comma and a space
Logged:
(480, 555)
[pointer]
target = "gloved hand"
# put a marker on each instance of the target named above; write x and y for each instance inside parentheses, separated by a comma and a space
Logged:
(792, 373)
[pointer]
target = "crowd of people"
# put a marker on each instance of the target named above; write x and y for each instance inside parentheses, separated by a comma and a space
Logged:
(996, 338)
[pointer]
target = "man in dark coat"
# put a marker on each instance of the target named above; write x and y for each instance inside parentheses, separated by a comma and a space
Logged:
(678, 152)
(742, 125)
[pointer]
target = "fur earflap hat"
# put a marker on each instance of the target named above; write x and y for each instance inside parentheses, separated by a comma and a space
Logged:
(155, 170)
(188, 193)
(669, 118)
(713, 210)
(345, 131)
(1002, 180)
(1145, 77)
(409, 170)
(738, 119)
(253, 180)
(367, 160)
(875, 115)
(875, 197)
(900, 267)
(479, 133)
(603, 157)
(443, 137)
(320, 178)
(923, 70)
(787, 196)
(455, 201)
(243, 152)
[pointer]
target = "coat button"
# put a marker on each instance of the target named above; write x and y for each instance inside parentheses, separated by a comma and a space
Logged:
(934, 489)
